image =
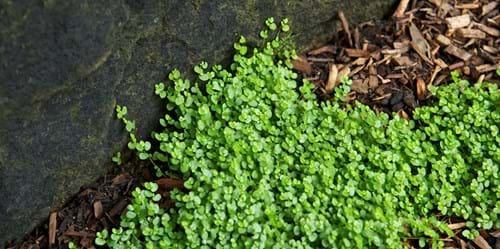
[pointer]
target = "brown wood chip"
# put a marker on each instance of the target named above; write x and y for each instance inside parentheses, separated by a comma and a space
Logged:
(360, 61)
(356, 70)
(458, 52)
(458, 21)
(352, 52)
(395, 76)
(359, 86)
(467, 6)
(490, 49)
(487, 29)
(79, 234)
(421, 89)
(170, 183)
(495, 234)
(486, 68)
(471, 33)
(52, 228)
(488, 7)
(456, 65)
(403, 114)
(400, 11)
(321, 50)
(494, 20)
(119, 179)
(332, 78)
(443, 40)
(98, 209)
(302, 65)
(404, 46)
(345, 26)
(480, 79)
(403, 61)
(373, 80)
(118, 208)
(440, 63)
(343, 72)
(481, 242)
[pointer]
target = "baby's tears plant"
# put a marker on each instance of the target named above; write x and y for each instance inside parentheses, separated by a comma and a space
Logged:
(269, 166)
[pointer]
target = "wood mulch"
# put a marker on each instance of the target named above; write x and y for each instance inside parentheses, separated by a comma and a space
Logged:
(96, 207)
(391, 64)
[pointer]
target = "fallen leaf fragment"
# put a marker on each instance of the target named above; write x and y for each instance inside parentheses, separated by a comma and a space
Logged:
(458, 21)
(456, 226)
(98, 209)
(481, 242)
(302, 65)
(332, 78)
(458, 52)
(52, 228)
(420, 44)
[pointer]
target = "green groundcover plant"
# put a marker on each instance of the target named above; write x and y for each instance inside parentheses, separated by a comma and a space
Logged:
(267, 165)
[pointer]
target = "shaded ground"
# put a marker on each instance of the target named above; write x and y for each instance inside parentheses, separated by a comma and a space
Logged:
(391, 64)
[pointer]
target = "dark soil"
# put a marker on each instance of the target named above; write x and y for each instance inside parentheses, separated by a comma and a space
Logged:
(391, 63)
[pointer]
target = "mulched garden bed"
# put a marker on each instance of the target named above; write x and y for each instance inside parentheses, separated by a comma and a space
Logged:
(391, 64)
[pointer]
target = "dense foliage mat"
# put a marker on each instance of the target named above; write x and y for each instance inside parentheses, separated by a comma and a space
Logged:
(267, 165)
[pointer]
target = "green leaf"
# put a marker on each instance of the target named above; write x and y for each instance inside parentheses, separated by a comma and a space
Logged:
(130, 126)
(143, 155)
(117, 158)
(264, 34)
(100, 242)
(131, 215)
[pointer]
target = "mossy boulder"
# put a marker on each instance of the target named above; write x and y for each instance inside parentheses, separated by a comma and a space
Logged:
(64, 65)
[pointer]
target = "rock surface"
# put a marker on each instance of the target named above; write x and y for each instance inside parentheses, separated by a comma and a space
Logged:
(64, 65)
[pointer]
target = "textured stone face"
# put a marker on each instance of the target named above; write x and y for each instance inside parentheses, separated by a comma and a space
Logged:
(64, 65)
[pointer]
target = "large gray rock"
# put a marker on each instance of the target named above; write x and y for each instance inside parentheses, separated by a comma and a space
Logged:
(65, 64)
